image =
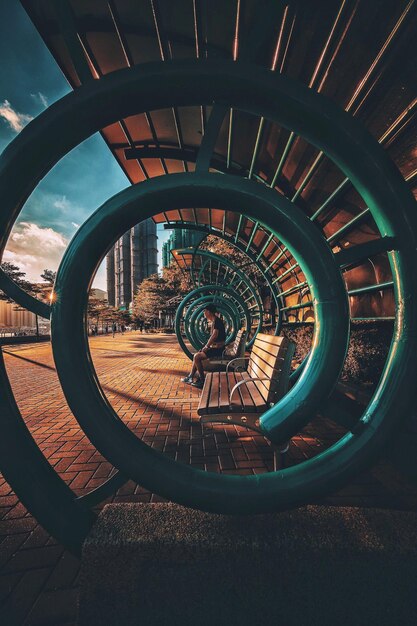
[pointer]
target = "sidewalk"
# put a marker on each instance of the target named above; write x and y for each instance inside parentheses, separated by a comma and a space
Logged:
(140, 374)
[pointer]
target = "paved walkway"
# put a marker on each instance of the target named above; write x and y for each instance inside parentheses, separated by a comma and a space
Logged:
(140, 375)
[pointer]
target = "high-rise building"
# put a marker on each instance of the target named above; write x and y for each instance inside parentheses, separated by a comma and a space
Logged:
(131, 259)
(180, 238)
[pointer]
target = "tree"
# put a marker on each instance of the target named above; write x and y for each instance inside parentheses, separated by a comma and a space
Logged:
(239, 259)
(94, 308)
(14, 272)
(155, 292)
(177, 281)
(46, 288)
(150, 298)
(49, 276)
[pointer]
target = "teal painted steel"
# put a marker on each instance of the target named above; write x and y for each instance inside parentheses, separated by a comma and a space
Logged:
(95, 414)
(21, 297)
(236, 272)
(188, 300)
(198, 324)
(196, 328)
(319, 121)
(276, 295)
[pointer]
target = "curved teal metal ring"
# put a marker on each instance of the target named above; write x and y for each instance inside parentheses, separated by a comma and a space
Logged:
(320, 122)
(245, 280)
(82, 389)
(189, 298)
(269, 279)
(196, 321)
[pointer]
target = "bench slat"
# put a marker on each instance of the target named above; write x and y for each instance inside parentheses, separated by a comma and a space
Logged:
(270, 358)
(213, 401)
(263, 369)
(270, 341)
(205, 394)
(224, 389)
(242, 397)
(251, 387)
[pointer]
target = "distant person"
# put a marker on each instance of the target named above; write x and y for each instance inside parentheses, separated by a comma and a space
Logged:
(213, 348)
(107, 329)
(123, 328)
(114, 328)
(96, 330)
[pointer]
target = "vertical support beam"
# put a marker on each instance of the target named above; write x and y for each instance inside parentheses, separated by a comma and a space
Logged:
(208, 142)
(68, 28)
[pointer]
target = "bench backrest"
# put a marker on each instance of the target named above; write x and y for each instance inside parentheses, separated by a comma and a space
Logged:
(237, 348)
(271, 359)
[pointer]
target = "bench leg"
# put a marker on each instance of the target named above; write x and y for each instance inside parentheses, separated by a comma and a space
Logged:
(279, 456)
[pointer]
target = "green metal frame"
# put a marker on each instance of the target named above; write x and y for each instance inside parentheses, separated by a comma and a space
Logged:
(21, 297)
(236, 272)
(216, 296)
(78, 115)
(81, 389)
(255, 260)
(198, 332)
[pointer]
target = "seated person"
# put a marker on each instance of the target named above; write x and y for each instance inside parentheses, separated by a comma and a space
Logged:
(213, 348)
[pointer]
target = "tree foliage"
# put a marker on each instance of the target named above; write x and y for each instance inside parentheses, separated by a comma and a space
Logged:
(15, 273)
(48, 276)
(100, 312)
(154, 293)
(239, 259)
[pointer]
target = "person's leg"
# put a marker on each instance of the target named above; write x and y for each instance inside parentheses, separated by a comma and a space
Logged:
(197, 366)
(193, 368)
(200, 359)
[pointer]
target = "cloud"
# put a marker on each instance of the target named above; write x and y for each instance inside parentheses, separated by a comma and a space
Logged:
(34, 249)
(39, 97)
(62, 203)
(15, 120)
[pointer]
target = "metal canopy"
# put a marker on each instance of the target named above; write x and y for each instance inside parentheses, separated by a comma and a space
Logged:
(281, 271)
(79, 115)
(338, 52)
(207, 268)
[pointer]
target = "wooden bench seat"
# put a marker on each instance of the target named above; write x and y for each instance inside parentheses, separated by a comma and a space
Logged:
(241, 397)
(217, 389)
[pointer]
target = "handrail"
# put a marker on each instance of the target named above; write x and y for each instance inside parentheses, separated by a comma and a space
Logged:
(244, 382)
(240, 358)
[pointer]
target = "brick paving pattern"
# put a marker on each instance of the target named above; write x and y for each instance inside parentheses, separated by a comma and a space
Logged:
(140, 375)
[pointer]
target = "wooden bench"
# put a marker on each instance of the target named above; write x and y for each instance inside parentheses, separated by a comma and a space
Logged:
(240, 398)
(234, 351)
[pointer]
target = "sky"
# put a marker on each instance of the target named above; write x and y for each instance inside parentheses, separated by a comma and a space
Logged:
(30, 80)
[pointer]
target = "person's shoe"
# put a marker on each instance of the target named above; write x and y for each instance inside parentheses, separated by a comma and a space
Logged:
(198, 383)
(187, 379)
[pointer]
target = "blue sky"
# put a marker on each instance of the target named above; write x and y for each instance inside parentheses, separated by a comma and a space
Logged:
(30, 80)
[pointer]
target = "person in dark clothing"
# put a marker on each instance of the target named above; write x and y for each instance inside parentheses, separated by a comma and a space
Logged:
(213, 348)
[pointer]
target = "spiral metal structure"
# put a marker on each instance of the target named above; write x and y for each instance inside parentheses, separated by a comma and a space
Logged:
(263, 216)
(217, 281)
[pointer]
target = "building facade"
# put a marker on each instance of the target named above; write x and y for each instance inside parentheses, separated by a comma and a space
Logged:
(131, 259)
(13, 316)
(180, 238)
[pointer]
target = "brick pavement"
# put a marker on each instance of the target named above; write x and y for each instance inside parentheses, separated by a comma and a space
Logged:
(140, 375)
